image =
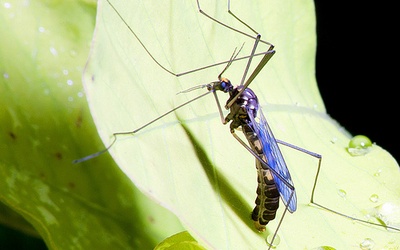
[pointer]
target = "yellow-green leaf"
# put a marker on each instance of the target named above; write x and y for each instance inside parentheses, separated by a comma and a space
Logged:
(45, 124)
(188, 161)
(179, 241)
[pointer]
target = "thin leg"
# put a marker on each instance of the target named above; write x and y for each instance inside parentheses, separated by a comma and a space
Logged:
(242, 22)
(223, 120)
(194, 70)
(276, 174)
(229, 27)
(265, 164)
(267, 56)
(137, 130)
(280, 221)
(319, 157)
(219, 108)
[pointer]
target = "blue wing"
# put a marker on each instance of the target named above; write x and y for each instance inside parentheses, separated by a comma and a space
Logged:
(275, 161)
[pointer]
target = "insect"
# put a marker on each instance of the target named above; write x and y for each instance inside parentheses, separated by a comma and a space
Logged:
(273, 176)
(245, 113)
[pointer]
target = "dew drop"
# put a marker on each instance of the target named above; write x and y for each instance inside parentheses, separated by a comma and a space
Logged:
(7, 5)
(342, 193)
(53, 51)
(70, 82)
(41, 29)
(378, 173)
(367, 244)
(6, 76)
(367, 217)
(325, 248)
(359, 145)
(388, 214)
(374, 198)
(275, 242)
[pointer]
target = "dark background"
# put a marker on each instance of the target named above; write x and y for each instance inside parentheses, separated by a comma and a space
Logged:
(356, 71)
(14, 240)
(356, 75)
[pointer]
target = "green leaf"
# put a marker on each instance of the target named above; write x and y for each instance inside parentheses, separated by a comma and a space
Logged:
(45, 124)
(189, 162)
(180, 241)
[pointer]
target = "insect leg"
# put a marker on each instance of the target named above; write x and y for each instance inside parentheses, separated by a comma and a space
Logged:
(136, 130)
(267, 56)
(242, 22)
(265, 164)
(319, 157)
(189, 71)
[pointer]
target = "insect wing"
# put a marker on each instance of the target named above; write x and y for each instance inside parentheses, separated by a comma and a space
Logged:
(275, 161)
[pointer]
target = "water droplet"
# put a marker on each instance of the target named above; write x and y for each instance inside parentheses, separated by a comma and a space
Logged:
(7, 5)
(326, 248)
(80, 94)
(378, 173)
(53, 51)
(374, 198)
(275, 242)
(41, 29)
(388, 214)
(65, 71)
(70, 82)
(70, 99)
(6, 75)
(359, 145)
(367, 244)
(342, 193)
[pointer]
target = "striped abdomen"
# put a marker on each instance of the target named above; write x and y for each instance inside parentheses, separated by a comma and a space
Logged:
(267, 201)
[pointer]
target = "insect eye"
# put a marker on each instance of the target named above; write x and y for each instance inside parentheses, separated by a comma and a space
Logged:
(225, 85)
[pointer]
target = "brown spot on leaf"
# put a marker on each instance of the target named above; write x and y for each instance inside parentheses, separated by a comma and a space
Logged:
(71, 185)
(151, 219)
(58, 155)
(78, 122)
(12, 135)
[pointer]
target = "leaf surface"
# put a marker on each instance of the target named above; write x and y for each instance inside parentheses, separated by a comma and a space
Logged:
(189, 162)
(45, 124)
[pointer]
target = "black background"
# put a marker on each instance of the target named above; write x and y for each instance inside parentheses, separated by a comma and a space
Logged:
(356, 69)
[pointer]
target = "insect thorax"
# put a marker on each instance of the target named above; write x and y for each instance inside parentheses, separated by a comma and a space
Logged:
(244, 106)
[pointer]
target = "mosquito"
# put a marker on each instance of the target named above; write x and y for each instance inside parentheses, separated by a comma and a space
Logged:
(245, 114)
